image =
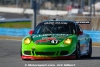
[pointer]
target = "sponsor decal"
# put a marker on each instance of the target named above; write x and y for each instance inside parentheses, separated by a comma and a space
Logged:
(35, 36)
(54, 41)
(45, 40)
(55, 22)
(83, 22)
(62, 45)
(60, 35)
(63, 36)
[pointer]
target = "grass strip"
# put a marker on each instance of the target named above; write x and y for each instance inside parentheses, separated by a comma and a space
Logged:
(16, 24)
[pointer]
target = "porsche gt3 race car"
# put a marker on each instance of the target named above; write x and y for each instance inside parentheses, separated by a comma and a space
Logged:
(56, 39)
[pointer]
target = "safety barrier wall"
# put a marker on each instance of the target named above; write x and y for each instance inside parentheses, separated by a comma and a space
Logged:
(95, 35)
(14, 32)
(15, 20)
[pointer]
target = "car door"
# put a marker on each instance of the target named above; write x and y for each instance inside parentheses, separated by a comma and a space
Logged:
(82, 39)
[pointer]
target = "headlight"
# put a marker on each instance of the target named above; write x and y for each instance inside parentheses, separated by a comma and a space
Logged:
(68, 41)
(27, 40)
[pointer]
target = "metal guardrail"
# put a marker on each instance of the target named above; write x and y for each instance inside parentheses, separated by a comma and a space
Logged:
(95, 35)
(15, 20)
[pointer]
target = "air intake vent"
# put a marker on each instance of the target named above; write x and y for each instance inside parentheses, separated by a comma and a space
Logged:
(27, 52)
(63, 52)
(45, 53)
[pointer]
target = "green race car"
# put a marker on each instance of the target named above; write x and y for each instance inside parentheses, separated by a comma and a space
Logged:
(56, 39)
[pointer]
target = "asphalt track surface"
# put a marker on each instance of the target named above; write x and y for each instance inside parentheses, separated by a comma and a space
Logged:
(10, 57)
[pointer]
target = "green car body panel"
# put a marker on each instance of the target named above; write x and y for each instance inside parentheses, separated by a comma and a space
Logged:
(48, 47)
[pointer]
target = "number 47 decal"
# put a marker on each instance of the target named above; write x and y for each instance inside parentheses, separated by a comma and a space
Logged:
(54, 41)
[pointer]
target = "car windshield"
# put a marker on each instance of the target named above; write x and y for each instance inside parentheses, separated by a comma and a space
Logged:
(53, 28)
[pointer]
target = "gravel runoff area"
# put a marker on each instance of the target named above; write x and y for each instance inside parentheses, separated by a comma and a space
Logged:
(20, 38)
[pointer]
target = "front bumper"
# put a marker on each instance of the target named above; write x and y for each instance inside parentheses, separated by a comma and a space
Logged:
(35, 55)
(46, 57)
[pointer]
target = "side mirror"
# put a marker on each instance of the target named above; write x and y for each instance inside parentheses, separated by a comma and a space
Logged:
(31, 32)
(80, 32)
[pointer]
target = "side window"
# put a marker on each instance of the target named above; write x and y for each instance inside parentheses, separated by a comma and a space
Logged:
(72, 28)
(78, 28)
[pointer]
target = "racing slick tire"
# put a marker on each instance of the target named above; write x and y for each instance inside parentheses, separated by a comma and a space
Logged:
(89, 54)
(77, 53)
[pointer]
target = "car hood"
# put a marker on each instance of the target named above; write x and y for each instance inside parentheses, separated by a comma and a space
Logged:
(48, 39)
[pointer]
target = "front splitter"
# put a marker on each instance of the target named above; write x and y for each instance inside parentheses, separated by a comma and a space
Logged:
(47, 57)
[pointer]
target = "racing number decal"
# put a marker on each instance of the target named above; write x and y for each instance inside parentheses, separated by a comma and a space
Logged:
(54, 41)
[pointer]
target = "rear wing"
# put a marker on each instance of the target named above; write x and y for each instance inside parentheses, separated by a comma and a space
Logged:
(83, 22)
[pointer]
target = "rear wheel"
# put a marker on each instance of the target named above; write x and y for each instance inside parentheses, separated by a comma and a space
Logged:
(90, 50)
(77, 52)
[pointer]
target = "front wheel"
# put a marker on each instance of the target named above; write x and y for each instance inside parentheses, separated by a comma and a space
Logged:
(77, 53)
